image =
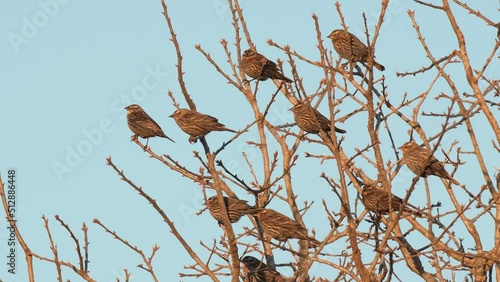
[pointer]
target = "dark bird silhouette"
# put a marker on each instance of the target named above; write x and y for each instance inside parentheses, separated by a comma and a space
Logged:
(255, 270)
(197, 124)
(381, 201)
(259, 67)
(420, 162)
(142, 125)
(351, 48)
(281, 227)
(310, 120)
(235, 209)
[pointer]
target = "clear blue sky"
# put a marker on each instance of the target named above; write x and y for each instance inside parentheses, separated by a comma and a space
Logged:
(69, 67)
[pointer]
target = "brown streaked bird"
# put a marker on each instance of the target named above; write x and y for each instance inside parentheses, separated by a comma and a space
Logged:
(259, 67)
(197, 124)
(351, 48)
(281, 227)
(420, 162)
(380, 201)
(255, 270)
(235, 209)
(310, 120)
(142, 125)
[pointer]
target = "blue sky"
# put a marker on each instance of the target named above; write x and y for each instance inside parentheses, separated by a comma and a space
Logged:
(69, 67)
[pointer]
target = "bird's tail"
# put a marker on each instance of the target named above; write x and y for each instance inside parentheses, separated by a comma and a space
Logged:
(314, 241)
(279, 75)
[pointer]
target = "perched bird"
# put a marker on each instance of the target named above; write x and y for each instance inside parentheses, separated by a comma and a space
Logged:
(351, 48)
(142, 125)
(197, 124)
(235, 208)
(255, 270)
(420, 162)
(281, 227)
(378, 200)
(259, 67)
(310, 120)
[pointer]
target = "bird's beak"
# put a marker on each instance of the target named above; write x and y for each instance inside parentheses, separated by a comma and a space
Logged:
(172, 115)
(126, 107)
(400, 147)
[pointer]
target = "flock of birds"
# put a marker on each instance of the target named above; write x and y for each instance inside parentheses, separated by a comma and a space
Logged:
(277, 225)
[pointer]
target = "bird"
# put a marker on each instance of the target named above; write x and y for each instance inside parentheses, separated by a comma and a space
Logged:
(196, 124)
(420, 161)
(379, 200)
(235, 209)
(281, 227)
(259, 67)
(309, 122)
(142, 125)
(351, 48)
(255, 270)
